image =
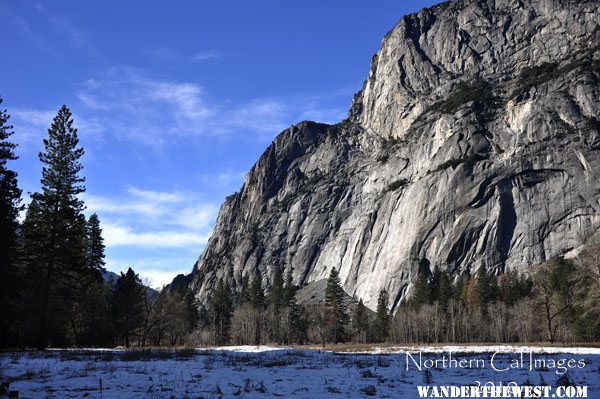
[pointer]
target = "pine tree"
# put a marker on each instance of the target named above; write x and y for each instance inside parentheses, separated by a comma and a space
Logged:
(289, 289)
(484, 290)
(276, 295)
(382, 318)
(128, 304)
(360, 322)
(245, 291)
(54, 231)
(91, 281)
(276, 304)
(220, 309)
(92, 320)
(434, 285)
(257, 295)
(95, 246)
(513, 287)
(444, 289)
(296, 325)
(10, 198)
(422, 293)
(337, 317)
(563, 279)
(458, 288)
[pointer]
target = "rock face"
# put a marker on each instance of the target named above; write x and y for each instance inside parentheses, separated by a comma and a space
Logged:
(475, 141)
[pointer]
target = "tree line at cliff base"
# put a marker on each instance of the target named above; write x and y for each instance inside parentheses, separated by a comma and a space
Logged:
(53, 291)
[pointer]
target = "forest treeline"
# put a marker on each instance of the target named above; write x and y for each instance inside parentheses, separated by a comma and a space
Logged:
(559, 302)
(52, 290)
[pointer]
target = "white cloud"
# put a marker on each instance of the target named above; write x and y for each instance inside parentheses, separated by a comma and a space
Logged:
(331, 115)
(76, 37)
(266, 117)
(156, 111)
(157, 233)
(200, 216)
(172, 206)
(207, 55)
(25, 29)
(31, 126)
(106, 205)
(116, 235)
(157, 272)
(171, 56)
(91, 102)
(157, 278)
(228, 179)
(146, 218)
(157, 196)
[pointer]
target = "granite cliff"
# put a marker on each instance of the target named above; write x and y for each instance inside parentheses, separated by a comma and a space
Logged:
(475, 140)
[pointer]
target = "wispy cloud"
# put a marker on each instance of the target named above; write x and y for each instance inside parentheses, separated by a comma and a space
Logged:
(167, 54)
(31, 126)
(207, 55)
(75, 37)
(63, 26)
(145, 218)
(157, 233)
(157, 197)
(116, 235)
(230, 180)
(155, 111)
(175, 209)
(25, 28)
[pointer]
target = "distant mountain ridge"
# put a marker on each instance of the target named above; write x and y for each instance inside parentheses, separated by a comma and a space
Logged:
(474, 141)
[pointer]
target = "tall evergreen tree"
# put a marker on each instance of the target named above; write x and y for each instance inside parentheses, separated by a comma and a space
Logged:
(564, 282)
(296, 325)
(337, 317)
(10, 198)
(444, 289)
(382, 318)
(257, 295)
(422, 293)
(276, 305)
(484, 290)
(276, 295)
(54, 231)
(245, 290)
(289, 289)
(91, 281)
(94, 246)
(360, 322)
(129, 299)
(220, 309)
(434, 284)
(92, 323)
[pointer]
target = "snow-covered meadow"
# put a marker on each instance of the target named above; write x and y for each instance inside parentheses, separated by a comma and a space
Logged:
(264, 372)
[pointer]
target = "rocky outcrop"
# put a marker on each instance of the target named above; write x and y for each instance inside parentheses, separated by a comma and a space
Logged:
(475, 140)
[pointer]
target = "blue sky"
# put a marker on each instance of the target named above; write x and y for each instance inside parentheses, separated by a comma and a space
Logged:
(174, 103)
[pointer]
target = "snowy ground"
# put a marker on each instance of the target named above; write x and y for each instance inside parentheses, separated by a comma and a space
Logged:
(266, 372)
